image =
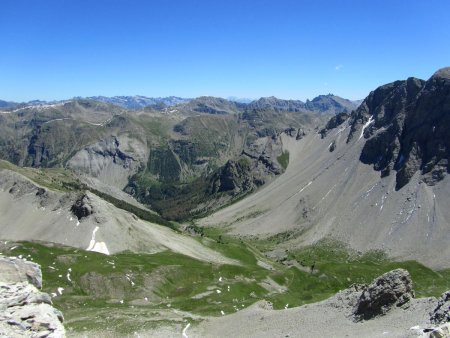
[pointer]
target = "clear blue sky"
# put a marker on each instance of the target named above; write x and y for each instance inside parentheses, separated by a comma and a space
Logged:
(56, 49)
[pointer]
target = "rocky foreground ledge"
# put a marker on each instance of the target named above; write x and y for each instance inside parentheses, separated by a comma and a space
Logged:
(24, 310)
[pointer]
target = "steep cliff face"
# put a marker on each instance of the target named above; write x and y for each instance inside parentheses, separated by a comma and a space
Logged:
(405, 125)
(24, 310)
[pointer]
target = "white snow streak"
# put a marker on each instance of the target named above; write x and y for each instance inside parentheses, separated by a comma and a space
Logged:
(365, 126)
(97, 246)
(184, 334)
(306, 186)
(65, 118)
(383, 198)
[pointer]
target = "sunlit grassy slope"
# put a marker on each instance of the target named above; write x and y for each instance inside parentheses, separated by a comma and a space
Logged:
(127, 285)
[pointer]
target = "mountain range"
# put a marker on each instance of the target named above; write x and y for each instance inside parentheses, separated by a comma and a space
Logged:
(323, 103)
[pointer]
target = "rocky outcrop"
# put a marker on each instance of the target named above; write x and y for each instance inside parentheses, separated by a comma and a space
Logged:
(298, 133)
(15, 270)
(24, 310)
(392, 289)
(235, 177)
(82, 207)
(405, 124)
(442, 331)
(334, 122)
(441, 314)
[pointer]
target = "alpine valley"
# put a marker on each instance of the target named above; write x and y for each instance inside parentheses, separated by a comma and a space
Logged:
(168, 217)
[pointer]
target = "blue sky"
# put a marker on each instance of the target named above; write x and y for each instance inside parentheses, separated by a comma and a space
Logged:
(57, 49)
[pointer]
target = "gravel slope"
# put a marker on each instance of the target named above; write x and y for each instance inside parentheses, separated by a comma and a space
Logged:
(325, 193)
(27, 215)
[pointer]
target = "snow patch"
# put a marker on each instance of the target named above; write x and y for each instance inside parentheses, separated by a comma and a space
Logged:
(301, 190)
(101, 248)
(184, 334)
(365, 126)
(60, 290)
(97, 246)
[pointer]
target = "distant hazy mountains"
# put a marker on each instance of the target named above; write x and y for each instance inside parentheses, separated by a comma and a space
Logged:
(324, 104)
(137, 102)
(6, 104)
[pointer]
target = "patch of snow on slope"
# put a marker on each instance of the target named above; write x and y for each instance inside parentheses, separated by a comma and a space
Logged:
(97, 246)
(365, 126)
(185, 330)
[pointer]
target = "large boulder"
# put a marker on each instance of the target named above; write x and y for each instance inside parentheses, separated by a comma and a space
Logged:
(393, 289)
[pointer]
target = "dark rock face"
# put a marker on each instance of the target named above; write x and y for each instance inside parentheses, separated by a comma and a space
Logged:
(391, 289)
(332, 146)
(334, 122)
(300, 134)
(234, 177)
(409, 132)
(441, 314)
(82, 207)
